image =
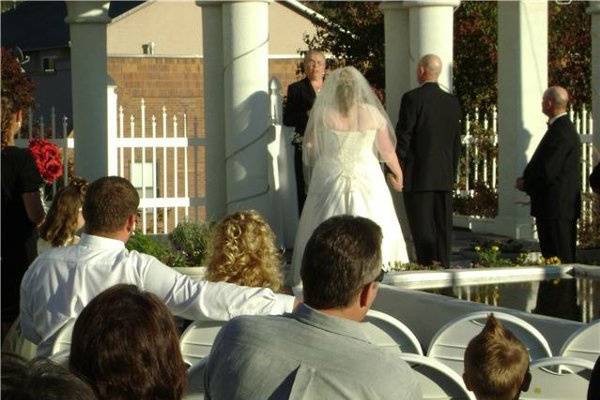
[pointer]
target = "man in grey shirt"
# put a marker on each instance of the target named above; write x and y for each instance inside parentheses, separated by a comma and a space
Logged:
(319, 350)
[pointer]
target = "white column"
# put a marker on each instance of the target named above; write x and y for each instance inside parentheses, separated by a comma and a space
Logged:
(594, 11)
(214, 121)
(87, 23)
(397, 66)
(111, 128)
(245, 57)
(431, 31)
(522, 80)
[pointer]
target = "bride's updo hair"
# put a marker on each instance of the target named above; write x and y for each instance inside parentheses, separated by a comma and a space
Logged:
(345, 91)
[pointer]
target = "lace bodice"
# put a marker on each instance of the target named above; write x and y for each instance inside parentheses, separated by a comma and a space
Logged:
(349, 147)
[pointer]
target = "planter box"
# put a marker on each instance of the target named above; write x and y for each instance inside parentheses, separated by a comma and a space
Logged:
(196, 273)
(588, 256)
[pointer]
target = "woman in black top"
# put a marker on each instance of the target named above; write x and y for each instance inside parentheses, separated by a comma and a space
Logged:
(22, 207)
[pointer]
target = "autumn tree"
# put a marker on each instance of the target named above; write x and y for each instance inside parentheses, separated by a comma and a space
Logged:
(356, 37)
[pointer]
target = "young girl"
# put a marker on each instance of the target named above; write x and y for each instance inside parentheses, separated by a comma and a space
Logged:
(64, 218)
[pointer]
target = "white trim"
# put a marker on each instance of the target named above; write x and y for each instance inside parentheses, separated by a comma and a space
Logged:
(154, 56)
(149, 142)
(311, 14)
(295, 56)
(132, 11)
(171, 202)
(474, 276)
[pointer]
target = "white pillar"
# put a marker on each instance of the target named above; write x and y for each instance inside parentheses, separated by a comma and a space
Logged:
(431, 31)
(214, 121)
(522, 80)
(111, 128)
(397, 66)
(246, 65)
(87, 23)
(594, 11)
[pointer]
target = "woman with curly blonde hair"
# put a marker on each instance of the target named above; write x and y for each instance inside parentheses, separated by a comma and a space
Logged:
(64, 218)
(242, 250)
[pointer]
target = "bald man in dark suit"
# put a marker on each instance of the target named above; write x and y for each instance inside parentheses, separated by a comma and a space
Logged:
(552, 179)
(428, 133)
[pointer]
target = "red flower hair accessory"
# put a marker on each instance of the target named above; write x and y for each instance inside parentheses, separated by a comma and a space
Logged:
(48, 159)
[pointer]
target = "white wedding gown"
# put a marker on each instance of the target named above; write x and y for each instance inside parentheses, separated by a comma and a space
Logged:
(347, 178)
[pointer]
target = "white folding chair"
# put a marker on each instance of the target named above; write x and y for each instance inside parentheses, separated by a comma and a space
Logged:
(555, 378)
(436, 380)
(387, 332)
(197, 340)
(62, 342)
(450, 342)
(583, 343)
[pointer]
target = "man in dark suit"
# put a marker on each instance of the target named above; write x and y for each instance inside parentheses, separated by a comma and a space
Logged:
(595, 179)
(300, 98)
(428, 133)
(552, 179)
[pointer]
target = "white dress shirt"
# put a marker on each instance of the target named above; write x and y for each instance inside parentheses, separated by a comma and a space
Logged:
(63, 280)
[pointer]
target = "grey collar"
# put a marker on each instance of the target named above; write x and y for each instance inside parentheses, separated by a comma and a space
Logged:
(340, 326)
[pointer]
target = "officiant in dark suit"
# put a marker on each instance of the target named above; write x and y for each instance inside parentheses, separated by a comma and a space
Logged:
(428, 133)
(552, 179)
(300, 99)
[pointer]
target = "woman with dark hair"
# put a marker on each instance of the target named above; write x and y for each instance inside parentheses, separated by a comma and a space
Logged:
(64, 218)
(125, 345)
(22, 208)
(40, 379)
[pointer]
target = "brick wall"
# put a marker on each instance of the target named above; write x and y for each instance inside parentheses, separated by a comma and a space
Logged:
(177, 84)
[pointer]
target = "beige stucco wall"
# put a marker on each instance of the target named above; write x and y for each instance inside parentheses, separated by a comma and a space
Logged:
(175, 27)
(286, 29)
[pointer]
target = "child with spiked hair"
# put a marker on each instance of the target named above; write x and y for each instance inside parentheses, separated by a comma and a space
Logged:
(496, 364)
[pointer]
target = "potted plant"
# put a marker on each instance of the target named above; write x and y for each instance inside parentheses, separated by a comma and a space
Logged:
(190, 240)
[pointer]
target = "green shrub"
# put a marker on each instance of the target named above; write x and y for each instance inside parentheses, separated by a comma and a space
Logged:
(149, 245)
(190, 239)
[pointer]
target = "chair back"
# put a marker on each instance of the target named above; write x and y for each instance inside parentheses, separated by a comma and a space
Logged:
(197, 340)
(387, 332)
(555, 378)
(450, 342)
(195, 376)
(436, 380)
(62, 342)
(583, 343)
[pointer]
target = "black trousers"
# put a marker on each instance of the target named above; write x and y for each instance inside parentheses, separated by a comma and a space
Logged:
(300, 185)
(430, 220)
(557, 238)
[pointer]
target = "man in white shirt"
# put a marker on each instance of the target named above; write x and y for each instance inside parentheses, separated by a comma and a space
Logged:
(62, 281)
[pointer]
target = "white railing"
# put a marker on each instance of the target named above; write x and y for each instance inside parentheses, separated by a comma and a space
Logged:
(37, 126)
(156, 154)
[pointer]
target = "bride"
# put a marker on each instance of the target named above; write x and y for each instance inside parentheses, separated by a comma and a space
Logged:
(347, 137)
